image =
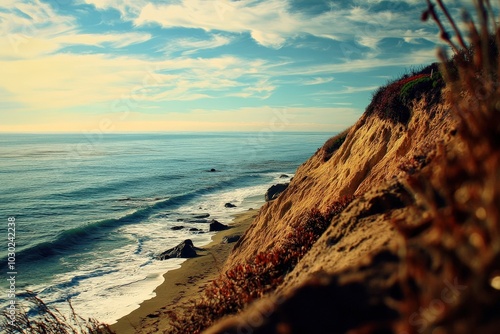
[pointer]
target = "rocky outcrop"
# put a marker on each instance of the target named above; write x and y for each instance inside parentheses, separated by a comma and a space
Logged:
(185, 249)
(274, 191)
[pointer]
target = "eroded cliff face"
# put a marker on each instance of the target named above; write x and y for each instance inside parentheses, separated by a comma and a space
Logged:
(347, 280)
(371, 156)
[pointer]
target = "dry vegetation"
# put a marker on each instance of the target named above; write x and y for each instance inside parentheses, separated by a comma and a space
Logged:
(394, 101)
(452, 269)
(35, 317)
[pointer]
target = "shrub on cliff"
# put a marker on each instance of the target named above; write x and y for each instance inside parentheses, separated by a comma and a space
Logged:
(333, 144)
(394, 101)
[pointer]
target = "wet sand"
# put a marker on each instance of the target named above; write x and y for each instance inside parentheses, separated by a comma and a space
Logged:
(183, 284)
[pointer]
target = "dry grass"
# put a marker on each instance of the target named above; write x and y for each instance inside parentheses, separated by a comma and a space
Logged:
(48, 320)
(394, 101)
(452, 268)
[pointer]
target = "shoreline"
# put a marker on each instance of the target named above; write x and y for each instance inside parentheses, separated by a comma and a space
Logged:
(182, 284)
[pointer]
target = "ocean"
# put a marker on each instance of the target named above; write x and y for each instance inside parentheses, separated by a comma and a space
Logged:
(91, 211)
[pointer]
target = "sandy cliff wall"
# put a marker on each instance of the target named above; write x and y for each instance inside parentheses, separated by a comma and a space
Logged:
(369, 158)
(350, 271)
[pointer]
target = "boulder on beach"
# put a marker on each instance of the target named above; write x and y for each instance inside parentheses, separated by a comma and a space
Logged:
(185, 249)
(217, 226)
(230, 239)
(274, 191)
(229, 205)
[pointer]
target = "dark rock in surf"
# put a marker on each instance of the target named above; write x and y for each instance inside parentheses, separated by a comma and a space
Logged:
(274, 191)
(212, 170)
(185, 249)
(229, 205)
(215, 226)
(284, 176)
(201, 215)
(177, 228)
(197, 221)
(194, 218)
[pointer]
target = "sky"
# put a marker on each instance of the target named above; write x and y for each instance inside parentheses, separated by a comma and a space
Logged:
(117, 66)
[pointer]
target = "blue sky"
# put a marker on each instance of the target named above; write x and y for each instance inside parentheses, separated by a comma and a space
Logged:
(202, 65)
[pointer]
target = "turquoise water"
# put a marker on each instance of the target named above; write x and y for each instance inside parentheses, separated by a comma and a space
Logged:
(91, 211)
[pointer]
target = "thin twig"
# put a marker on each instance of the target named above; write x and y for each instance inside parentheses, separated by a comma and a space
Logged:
(452, 22)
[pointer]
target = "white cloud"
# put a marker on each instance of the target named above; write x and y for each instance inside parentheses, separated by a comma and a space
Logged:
(115, 40)
(32, 29)
(127, 8)
(28, 29)
(318, 81)
(269, 22)
(369, 42)
(191, 45)
(68, 80)
(422, 56)
(350, 90)
(270, 40)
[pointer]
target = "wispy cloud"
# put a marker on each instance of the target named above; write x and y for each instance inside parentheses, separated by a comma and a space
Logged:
(190, 46)
(127, 8)
(268, 22)
(68, 80)
(35, 29)
(318, 81)
(350, 90)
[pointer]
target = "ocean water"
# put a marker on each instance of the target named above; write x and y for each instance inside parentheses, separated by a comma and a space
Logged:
(92, 210)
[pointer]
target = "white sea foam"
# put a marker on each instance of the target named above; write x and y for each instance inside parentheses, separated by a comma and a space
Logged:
(116, 283)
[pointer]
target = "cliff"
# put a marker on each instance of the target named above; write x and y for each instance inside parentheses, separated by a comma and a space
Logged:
(415, 251)
(371, 164)
(393, 226)
(372, 155)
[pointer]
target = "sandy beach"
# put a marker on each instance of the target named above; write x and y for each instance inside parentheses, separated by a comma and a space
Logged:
(182, 284)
